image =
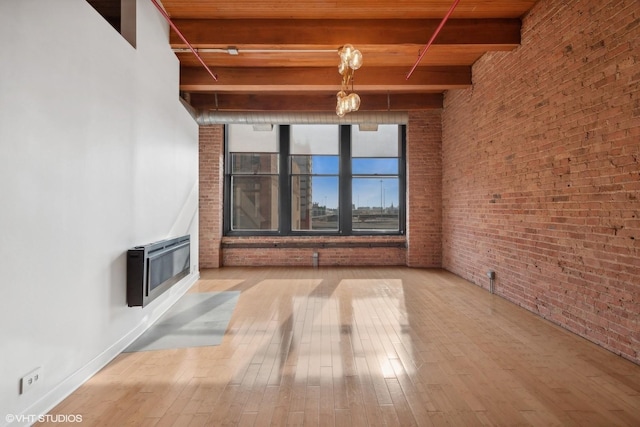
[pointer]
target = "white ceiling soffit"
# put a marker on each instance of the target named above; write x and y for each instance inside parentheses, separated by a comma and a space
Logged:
(205, 118)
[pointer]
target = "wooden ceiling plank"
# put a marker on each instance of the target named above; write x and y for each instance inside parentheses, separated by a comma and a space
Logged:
(307, 34)
(355, 9)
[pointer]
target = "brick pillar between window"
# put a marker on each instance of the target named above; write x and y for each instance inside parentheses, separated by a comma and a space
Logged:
(211, 149)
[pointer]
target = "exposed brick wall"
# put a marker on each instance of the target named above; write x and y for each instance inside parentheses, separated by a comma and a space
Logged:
(332, 251)
(424, 189)
(541, 165)
(211, 179)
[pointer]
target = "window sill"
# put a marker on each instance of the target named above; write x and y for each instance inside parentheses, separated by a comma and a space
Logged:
(262, 242)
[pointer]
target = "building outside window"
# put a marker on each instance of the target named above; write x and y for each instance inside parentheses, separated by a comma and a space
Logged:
(314, 180)
(253, 166)
(315, 177)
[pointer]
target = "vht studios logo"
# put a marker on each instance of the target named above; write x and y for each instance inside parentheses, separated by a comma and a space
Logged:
(48, 418)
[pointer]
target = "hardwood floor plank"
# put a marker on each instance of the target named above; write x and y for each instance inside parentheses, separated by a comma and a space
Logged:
(267, 406)
(369, 397)
(343, 418)
(296, 419)
(312, 406)
(247, 419)
(400, 404)
(327, 405)
(354, 398)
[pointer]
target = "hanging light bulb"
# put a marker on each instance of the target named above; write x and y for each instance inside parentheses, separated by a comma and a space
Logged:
(340, 106)
(355, 61)
(350, 60)
(345, 52)
(354, 102)
(342, 68)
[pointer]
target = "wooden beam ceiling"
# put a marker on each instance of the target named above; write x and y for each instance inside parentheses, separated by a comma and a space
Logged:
(286, 54)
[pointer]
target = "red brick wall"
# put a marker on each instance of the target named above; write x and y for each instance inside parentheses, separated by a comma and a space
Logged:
(541, 165)
(424, 189)
(298, 251)
(211, 179)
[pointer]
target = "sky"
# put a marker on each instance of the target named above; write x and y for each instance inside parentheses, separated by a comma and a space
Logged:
(368, 191)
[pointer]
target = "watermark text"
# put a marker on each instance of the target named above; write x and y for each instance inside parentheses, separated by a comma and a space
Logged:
(47, 418)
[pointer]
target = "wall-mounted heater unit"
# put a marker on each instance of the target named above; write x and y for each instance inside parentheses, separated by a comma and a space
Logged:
(154, 268)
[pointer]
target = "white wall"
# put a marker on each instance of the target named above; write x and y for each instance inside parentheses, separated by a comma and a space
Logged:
(97, 155)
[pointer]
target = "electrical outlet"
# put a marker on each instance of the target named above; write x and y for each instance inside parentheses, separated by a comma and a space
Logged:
(30, 380)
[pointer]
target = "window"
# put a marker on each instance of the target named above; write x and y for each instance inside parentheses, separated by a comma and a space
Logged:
(314, 179)
(254, 168)
(375, 179)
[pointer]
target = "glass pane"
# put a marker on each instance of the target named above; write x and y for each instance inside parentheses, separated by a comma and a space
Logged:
(376, 204)
(244, 139)
(380, 143)
(315, 139)
(321, 165)
(254, 202)
(367, 166)
(314, 202)
(254, 163)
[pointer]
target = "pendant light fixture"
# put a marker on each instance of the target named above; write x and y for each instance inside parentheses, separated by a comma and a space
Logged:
(350, 61)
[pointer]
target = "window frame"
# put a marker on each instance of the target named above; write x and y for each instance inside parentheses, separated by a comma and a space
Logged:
(345, 197)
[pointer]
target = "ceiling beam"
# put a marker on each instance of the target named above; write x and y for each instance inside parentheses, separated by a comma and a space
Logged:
(317, 79)
(313, 102)
(389, 55)
(333, 33)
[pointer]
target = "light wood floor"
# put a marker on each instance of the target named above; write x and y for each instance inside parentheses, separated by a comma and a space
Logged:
(366, 346)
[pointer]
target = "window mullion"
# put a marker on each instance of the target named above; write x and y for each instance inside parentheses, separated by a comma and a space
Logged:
(345, 181)
(402, 200)
(285, 180)
(226, 196)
